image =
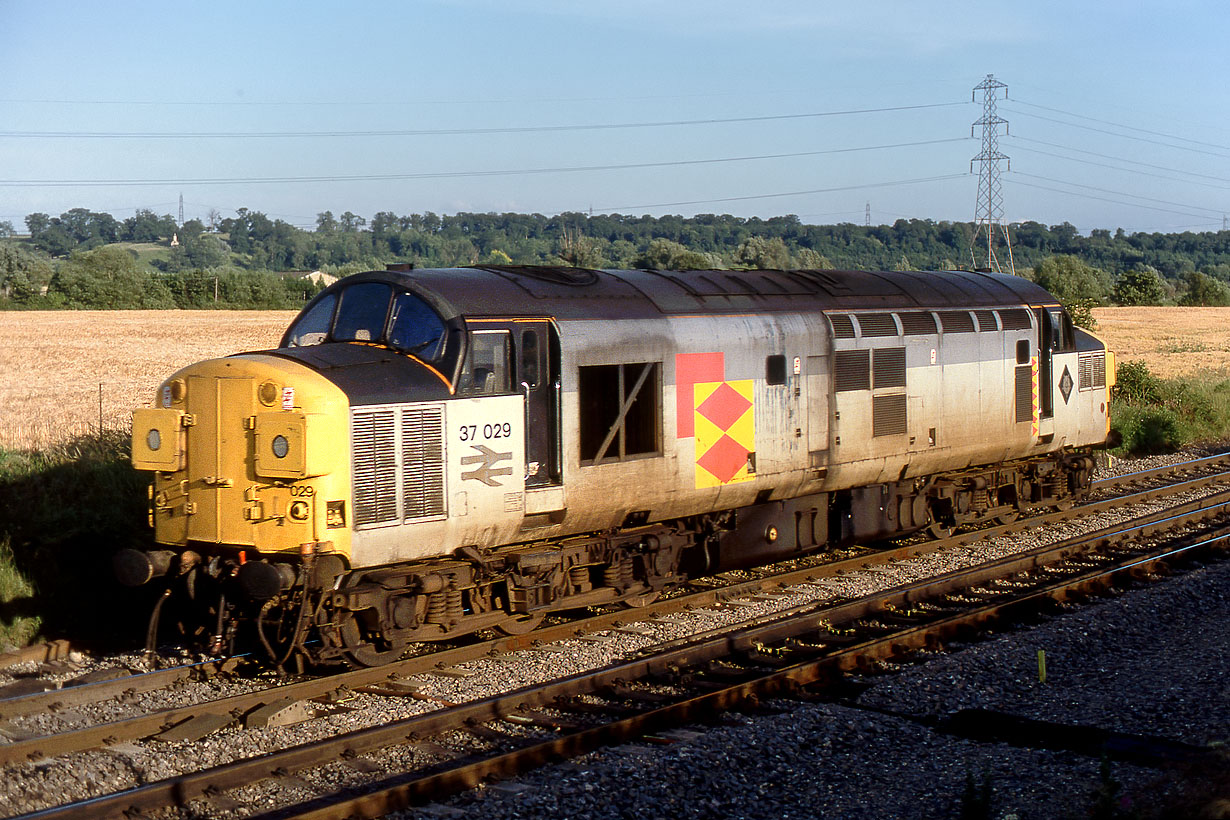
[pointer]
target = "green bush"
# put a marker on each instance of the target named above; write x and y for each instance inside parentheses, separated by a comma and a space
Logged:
(1161, 415)
(1136, 384)
(1148, 431)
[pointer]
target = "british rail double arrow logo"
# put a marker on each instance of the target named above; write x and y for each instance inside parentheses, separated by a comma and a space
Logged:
(488, 458)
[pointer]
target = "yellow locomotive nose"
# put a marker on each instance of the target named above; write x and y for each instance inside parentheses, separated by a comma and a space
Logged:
(249, 453)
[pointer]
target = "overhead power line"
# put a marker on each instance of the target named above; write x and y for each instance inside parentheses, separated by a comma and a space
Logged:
(1014, 181)
(1017, 139)
(1126, 136)
(428, 132)
(51, 183)
(1120, 193)
(616, 209)
(1125, 127)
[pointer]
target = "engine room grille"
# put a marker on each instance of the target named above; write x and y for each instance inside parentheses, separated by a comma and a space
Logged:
(888, 416)
(1017, 319)
(877, 324)
(851, 370)
(917, 322)
(1025, 393)
(957, 321)
(398, 464)
(986, 320)
(375, 467)
(422, 451)
(888, 367)
(843, 328)
(1092, 368)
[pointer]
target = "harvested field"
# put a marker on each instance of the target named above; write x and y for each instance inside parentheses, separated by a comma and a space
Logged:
(1175, 342)
(52, 363)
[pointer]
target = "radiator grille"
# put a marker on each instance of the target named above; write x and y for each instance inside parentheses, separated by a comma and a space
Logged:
(1017, 319)
(843, 328)
(375, 468)
(877, 324)
(888, 415)
(423, 462)
(917, 323)
(986, 320)
(851, 370)
(957, 321)
(888, 367)
(1024, 393)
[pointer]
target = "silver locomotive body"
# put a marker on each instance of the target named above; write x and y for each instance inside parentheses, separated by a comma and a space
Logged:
(523, 439)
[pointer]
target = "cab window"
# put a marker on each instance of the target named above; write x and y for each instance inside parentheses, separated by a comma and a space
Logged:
(361, 314)
(313, 326)
(415, 328)
(486, 369)
(373, 312)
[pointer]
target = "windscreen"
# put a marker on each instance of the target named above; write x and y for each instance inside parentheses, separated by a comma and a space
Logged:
(372, 312)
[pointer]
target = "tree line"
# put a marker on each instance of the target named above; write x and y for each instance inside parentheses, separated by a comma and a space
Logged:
(239, 259)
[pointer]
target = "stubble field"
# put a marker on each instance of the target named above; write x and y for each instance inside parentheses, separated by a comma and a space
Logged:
(54, 365)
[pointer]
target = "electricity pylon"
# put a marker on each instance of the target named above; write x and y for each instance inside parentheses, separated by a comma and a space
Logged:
(989, 211)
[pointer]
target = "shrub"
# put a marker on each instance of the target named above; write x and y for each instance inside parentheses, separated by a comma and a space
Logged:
(1148, 431)
(1136, 384)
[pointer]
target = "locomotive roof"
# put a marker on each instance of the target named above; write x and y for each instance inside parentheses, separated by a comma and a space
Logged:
(582, 293)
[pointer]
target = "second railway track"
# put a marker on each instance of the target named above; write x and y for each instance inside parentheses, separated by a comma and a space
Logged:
(242, 772)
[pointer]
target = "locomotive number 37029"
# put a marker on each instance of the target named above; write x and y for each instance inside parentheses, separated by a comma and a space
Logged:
(471, 432)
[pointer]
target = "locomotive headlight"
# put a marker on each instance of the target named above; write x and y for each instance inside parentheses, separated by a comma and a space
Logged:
(280, 446)
(153, 439)
(269, 393)
(299, 510)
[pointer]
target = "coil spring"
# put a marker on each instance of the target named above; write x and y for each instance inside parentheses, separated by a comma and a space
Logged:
(579, 576)
(618, 574)
(454, 604)
(436, 608)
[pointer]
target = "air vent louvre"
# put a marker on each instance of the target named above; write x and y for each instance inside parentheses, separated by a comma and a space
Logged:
(888, 367)
(876, 324)
(423, 462)
(888, 416)
(957, 321)
(375, 468)
(851, 370)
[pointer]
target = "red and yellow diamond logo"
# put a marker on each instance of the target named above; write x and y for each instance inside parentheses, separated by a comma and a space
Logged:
(725, 431)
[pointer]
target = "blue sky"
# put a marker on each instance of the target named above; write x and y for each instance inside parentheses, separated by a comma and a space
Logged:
(1117, 112)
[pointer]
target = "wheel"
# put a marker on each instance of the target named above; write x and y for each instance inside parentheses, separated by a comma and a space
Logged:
(520, 624)
(360, 650)
(643, 599)
(1006, 518)
(937, 530)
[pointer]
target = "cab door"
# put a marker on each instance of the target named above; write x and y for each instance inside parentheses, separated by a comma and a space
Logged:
(538, 379)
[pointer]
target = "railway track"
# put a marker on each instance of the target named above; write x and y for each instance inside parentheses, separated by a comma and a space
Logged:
(30, 696)
(186, 723)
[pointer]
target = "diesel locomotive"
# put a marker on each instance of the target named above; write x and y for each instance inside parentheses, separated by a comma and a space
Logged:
(429, 453)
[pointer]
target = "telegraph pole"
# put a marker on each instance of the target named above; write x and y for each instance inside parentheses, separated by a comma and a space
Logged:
(989, 210)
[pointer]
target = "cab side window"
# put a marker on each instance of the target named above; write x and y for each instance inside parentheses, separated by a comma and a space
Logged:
(486, 370)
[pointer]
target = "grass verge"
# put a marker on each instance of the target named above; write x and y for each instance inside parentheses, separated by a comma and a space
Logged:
(64, 510)
(1157, 415)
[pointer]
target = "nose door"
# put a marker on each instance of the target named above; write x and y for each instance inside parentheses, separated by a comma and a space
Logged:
(218, 456)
